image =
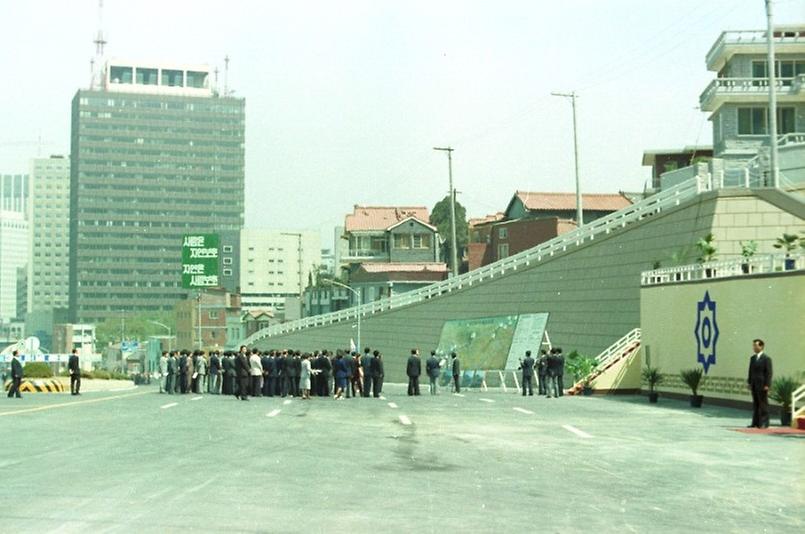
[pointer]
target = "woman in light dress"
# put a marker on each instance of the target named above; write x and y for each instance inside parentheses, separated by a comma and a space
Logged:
(304, 376)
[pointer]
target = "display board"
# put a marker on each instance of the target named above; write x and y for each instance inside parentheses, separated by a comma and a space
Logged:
(492, 343)
(200, 261)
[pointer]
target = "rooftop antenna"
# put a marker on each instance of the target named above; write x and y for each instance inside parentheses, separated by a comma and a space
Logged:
(100, 42)
(226, 75)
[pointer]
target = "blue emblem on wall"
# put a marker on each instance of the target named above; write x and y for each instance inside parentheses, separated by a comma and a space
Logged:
(706, 332)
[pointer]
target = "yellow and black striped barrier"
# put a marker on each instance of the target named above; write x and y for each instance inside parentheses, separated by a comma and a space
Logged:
(38, 385)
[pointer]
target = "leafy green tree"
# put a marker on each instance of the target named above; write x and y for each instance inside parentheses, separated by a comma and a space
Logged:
(137, 327)
(440, 218)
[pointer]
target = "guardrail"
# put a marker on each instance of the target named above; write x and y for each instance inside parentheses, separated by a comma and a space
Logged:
(739, 37)
(615, 350)
(648, 207)
(760, 264)
(744, 86)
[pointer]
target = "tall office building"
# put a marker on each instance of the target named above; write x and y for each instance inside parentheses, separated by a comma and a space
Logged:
(49, 268)
(14, 190)
(155, 154)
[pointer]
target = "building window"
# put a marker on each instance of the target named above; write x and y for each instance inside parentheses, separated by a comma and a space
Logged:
(213, 314)
(228, 248)
(227, 272)
(146, 76)
(402, 241)
(752, 121)
(227, 261)
(422, 241)
(120, 74)
(196, 79)
(172, 78)
(503, 251)
(503, 233)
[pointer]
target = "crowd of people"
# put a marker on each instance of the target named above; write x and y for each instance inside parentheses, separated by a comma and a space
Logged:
(274, 373)
(550, 371)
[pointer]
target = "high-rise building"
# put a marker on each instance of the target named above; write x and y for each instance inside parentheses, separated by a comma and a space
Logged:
(155, 154)
(275, 265)
(13, 240)
(49, 268)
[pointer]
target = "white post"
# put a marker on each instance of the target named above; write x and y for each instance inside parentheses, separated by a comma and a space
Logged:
(774, 168)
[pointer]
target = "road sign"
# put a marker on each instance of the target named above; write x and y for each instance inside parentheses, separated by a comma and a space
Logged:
(200, 261)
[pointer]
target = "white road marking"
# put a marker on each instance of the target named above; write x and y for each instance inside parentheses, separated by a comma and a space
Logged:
(523, 410)
(382, 397)
(486, 400)
(579, 433)
(404, 420)
(170, 405)
(273, 413)
(197, 398)
(459, 394)
(392, 405)
(287, 402)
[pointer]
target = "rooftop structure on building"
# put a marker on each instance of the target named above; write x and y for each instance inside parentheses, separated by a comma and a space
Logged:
(662, 160)
(382, 218)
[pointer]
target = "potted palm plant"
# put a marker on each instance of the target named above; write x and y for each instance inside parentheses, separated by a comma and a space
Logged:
(653, 377)
(781, 391)
(748, 250)
(707, 251)
(693, 379)
(788, 242)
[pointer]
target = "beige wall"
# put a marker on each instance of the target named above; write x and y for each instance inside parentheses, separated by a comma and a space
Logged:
(770, 307)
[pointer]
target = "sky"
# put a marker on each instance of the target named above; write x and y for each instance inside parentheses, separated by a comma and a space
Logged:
(346, 100)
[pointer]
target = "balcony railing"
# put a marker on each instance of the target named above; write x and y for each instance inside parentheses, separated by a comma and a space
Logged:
(721, 87)
(761, 264)
(366, 253)
(747, 37)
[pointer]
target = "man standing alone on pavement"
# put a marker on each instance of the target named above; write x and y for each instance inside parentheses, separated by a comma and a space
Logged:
(432, 367)
(527, 365)
(413, 370)
(16, 376)
(377, 374)
(759, 381)
(456, 373)
(74, 368)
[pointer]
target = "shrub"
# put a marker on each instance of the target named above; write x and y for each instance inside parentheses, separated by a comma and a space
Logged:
(100, 374)
(652, 376)
(38, 370)
(781, 390)
(115, 375)
(693, 378)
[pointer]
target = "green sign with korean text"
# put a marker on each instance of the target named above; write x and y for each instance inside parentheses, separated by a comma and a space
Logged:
(200, 261)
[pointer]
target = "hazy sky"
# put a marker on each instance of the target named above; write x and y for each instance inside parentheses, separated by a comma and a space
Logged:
(345, 99)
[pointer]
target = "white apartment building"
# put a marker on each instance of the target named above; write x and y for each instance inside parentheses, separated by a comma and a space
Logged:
(275, 265)
(13, 240)
(49, 270)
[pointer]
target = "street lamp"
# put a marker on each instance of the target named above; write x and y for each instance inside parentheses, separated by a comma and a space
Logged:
(166, 327)
(358, 307)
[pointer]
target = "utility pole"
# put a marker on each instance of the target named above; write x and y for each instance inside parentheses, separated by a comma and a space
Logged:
(579, 215)
(300, 265)
(453, 245)
(774, 166)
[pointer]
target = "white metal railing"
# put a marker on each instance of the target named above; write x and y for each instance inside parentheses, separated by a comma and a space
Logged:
(744, 86)
(617, 349)
(798, 395)
(653, 205)
(792, 138)
(760, 264)
(739, 37)
(611, 354)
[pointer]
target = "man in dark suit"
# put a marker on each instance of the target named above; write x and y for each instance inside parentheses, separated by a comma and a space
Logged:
(74, 369)
(16, 376)
(214, 382)
(527, 366)
(326, 367)
(296, 373)
(183, 372)
(272, 373)
(242, 367)
(366, 365)
(759, 381)
(282, 373)
(542, 372)
(432, 368)
(349, 364)
(413, 370)
(456, 372)
(560, 369)
(377, 374)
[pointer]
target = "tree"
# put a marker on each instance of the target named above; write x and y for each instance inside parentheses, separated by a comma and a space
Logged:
(440, 218)
(137, 327)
